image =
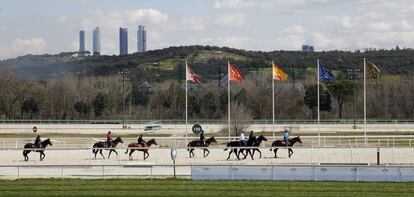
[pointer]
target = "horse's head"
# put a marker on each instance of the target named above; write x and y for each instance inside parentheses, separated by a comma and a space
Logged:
(47, 142)
(118, 140)
(261, 138)
(151, 142)
(212, 140)
(298, 139)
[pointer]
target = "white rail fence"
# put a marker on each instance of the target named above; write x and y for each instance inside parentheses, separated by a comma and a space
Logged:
(161, 156)
(181, 142)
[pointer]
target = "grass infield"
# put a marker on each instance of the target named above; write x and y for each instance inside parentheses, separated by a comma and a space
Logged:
(169, 187)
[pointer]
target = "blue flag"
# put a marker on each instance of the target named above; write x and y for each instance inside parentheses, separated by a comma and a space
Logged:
(325, 74)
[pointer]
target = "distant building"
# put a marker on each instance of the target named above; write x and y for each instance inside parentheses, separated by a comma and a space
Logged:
(308, 48)
(82, 41)
(141, 39)
(96, 41)
(123, 41)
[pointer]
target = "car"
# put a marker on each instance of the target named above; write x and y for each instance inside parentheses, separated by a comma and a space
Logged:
(151, 126)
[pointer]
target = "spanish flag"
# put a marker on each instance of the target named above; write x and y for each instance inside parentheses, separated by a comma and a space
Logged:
(278, 73)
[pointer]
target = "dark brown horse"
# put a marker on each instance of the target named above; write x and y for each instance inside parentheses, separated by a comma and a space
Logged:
(138, 147)
(280, 144)
(251, 145)
(29, 148)
(197, 143)
(99, 146)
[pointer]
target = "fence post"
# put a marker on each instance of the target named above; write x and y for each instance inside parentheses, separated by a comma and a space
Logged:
(61, 172)
(378, 156)
(351, 154)
(103, 172)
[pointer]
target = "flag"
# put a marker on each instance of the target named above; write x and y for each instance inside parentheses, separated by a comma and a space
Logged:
(278, 73)
(191, 76)
(325, 74)
(373, 70)
(235, 74)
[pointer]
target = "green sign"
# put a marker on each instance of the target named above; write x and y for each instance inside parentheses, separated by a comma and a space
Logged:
(197, 129)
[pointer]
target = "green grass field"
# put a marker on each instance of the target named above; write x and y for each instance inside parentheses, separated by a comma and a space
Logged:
(169, 187)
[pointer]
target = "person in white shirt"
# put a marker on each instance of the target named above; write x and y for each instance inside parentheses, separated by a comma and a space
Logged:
(242, 139)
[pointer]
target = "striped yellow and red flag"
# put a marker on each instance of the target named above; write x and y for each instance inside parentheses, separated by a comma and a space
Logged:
(279, 74)
(235, 74)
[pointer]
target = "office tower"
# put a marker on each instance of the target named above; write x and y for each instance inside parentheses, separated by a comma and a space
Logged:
(123, 41)
(82, 41)
(141, 39)
(308, 48)
(96, 41)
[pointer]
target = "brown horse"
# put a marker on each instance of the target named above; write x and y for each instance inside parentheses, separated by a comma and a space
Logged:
(197, 143)
(29, 148)
(138, 147)
(99, 146)
(280, 144)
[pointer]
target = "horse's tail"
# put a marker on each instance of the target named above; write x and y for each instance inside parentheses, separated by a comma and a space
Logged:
(126, 152)
(94, 148)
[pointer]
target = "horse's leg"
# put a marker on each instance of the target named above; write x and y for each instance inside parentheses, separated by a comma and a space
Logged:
(290, 152)
(260, 152)
(146, 153)
(275, 150)
(130, 153)
(100, 151)
(237, 153)
(251, 154)
(41, 155)
(116, 153)
(231, 150)
(191, 153)
(208, 152)
(109, 155)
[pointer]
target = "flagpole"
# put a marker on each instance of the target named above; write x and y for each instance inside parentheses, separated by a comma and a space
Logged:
(273, 98)
(228, 94)
(365, 104)
(319, 117)
(186, 102)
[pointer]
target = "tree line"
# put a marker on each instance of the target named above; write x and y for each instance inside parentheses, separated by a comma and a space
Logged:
(102, 97)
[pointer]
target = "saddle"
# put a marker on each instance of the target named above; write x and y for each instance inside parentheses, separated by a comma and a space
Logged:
(285, 143)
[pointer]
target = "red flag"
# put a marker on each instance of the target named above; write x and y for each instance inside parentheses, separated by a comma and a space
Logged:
(235, 74)
(191, 76)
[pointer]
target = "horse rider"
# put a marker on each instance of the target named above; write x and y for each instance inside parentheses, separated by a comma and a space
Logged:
(109, 139)
(37, 140)
(286, 136)
(242, 139)
(252, 136)
(202, 138)
(141, 140)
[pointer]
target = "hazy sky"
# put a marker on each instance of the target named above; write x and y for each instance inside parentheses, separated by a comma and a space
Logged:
(51, 26)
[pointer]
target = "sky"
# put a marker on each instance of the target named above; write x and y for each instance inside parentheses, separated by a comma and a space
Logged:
(52, 26)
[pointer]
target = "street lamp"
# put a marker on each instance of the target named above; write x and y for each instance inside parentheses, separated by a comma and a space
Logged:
(124, 74)
(353, 74)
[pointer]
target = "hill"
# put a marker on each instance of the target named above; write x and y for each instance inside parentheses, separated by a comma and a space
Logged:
(158, 65)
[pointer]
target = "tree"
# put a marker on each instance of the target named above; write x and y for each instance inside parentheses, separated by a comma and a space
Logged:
(240, 117)
(311, 99)
(342, 90)
(82, 108)
(30, 106)
(99, 104)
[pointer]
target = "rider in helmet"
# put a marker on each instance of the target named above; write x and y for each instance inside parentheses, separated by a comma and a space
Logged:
(141, 141)
(109, 139)
(202, 138)
(286, 136)
(242, 139)
(252, 136)
(37, 140)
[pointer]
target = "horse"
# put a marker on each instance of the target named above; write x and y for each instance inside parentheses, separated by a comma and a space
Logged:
(29, 147)
(255, 142)
(99, 146)
(279, 144)
(138, 147)
(197, 143)
(234, 145)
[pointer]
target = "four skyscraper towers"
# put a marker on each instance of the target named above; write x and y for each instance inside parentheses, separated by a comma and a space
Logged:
(123, 41)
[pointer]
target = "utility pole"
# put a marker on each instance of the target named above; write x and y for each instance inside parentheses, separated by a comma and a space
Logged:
(353, 74)
(124, 74)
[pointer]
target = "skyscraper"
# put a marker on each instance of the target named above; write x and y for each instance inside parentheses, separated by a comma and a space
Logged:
(82, 41)
(123, 41)
(97, 41)
(141, 39)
